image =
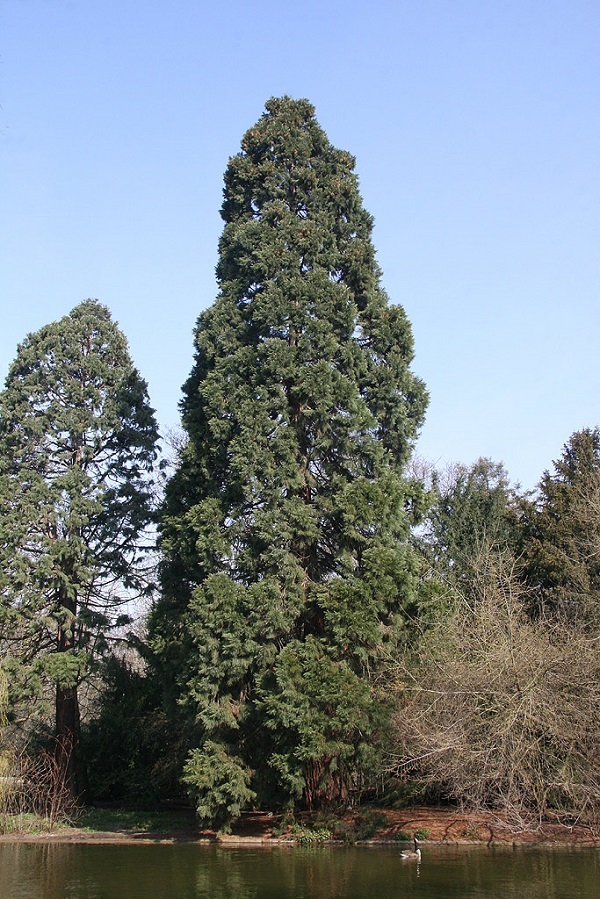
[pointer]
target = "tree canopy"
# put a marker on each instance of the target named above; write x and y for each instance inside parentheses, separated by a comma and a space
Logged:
(562, 532)
(78, 441)
(284, 529)
(472, 509)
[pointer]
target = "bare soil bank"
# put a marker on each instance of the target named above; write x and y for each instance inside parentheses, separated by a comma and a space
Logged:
(441, 825)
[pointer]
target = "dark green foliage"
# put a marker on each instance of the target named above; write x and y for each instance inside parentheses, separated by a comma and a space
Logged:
(129, 745)
(473, 508)
(77, 445)
(285, 527)
(562, 532)
(219, 784)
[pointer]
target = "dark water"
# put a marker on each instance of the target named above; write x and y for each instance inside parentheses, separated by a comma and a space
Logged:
(61, 871)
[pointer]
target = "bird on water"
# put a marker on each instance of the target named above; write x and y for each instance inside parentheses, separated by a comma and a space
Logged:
(413, 853)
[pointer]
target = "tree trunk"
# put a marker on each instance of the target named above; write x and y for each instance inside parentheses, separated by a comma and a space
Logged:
(67, 706)
(323, 788)
(67, 733)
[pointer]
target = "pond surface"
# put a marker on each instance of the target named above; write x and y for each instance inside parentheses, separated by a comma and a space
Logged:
(192, 871)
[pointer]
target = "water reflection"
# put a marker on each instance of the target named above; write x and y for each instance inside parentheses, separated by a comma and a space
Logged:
(62, 871)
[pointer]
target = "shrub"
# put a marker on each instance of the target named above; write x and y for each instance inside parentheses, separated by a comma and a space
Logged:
(499, 710)
(219, 785)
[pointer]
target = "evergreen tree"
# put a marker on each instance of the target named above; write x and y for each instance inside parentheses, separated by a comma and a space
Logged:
(562, 532)
(77, 445)
(284, 532)
(473, 509)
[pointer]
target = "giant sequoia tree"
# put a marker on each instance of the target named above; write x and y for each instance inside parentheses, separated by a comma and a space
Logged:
(284, 530)
(77, 445)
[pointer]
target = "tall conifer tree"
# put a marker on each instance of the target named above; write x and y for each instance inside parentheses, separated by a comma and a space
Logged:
(474, 508)
(286, 568)
(561, 548)
(77, 446)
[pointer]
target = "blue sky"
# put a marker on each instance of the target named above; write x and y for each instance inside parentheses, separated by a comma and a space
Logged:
(476, 129)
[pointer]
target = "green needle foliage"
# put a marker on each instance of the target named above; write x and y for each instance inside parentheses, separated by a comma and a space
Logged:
(473, 509)
(562, 534)
(284, 531)
(77, 446)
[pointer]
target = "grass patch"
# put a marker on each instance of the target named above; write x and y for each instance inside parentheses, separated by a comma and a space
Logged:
(116, 820)
(107, 820)
(27, 822)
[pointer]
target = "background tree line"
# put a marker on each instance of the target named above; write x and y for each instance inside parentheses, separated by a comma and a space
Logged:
(323, 618)
(498, 693)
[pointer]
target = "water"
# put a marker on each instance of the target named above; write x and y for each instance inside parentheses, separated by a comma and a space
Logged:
(188, 871)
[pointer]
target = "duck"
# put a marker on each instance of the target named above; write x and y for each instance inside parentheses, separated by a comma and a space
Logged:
(412, 853)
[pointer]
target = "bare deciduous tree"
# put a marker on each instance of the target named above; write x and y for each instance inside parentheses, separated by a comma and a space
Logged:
(499, 711)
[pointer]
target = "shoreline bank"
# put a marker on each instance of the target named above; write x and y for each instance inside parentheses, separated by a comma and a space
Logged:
(435, 826)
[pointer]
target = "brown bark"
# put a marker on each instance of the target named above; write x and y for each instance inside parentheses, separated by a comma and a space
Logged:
(67, 706)
(323, 787)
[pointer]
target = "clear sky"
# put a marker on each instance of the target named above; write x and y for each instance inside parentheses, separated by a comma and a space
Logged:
(476, 129)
